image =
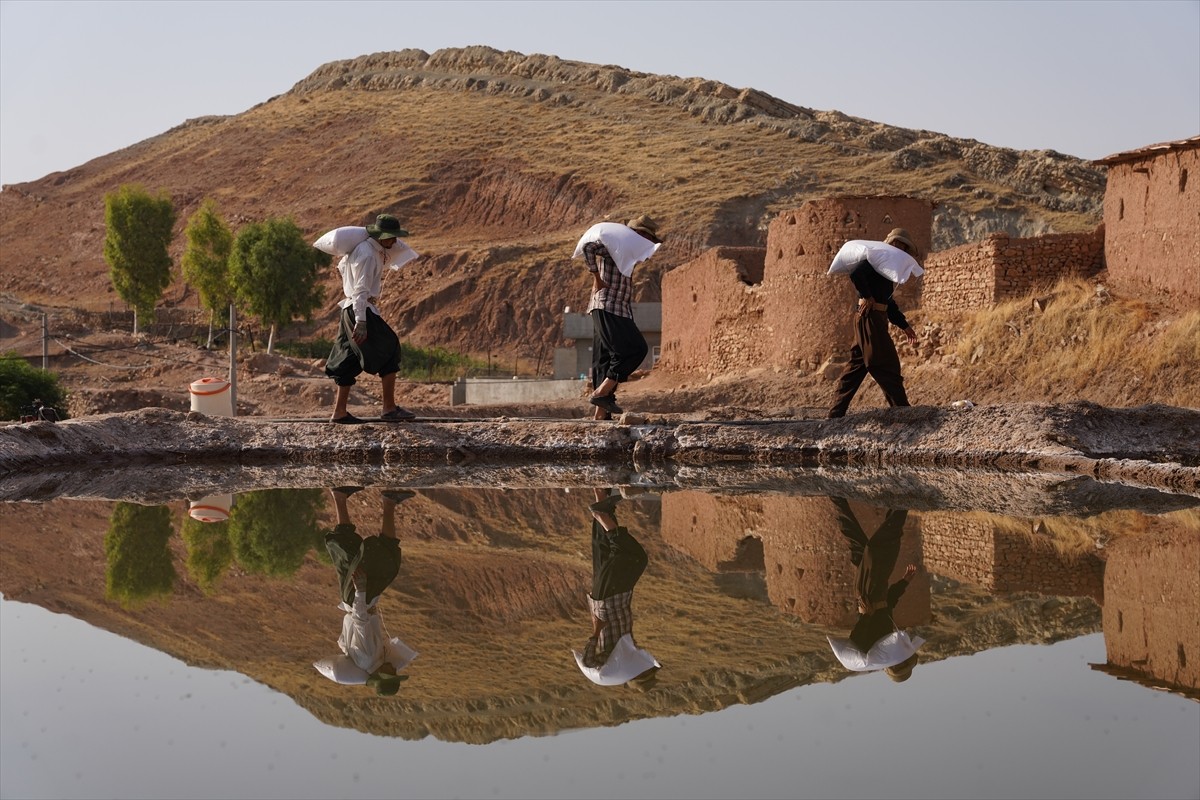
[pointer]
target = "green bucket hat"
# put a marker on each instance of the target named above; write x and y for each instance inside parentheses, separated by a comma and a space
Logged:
(386, 227)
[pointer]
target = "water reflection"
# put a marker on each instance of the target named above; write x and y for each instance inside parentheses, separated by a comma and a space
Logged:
(739, 593)
(875, 641)
(365, 566)
(611, 656)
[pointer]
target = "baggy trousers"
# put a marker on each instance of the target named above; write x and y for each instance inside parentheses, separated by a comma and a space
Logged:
(618, 347)
(875, 557)
(873, 354)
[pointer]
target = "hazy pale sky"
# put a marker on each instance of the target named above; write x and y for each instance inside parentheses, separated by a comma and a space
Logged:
(82, 78)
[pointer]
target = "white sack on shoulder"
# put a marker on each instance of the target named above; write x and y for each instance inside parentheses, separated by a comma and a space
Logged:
(626, 246)
(342, 241)
(890, 262)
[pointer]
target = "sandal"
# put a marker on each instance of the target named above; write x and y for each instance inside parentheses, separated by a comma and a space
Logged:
(608, 402)
(349, 419)
(398, 414)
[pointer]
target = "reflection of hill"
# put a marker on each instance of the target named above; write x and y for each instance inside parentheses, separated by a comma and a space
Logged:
(490, 594)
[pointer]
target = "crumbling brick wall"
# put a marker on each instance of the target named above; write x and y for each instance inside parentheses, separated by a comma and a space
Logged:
(976, 550)
(716, 319)
(1152, 219)
(806, 560)
(712, 312)
(981, 274)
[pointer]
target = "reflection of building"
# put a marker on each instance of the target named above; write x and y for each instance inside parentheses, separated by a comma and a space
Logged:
(798, 546)
(576, 361)
(996, 554)
(1152, 610)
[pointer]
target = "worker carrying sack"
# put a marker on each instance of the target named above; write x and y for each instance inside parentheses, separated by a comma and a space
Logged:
(342, 241)
(890, 262)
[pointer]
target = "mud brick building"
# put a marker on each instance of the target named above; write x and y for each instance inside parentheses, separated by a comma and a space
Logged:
(796, 544)
(1152, 610)
(1152, 219)
(744, 308)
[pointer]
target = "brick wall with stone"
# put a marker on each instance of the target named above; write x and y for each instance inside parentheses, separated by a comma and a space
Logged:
(1152, 220)
(1152, 607)
(712, 312)
(977, 550)
(798, 317)
(806, 561)
(981, 274)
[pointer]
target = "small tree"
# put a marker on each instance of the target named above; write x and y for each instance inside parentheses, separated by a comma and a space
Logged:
(274, 273)
(135, 247)
(21, 384)
(206, 263)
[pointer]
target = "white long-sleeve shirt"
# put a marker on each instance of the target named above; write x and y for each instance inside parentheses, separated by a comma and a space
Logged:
(362, 277)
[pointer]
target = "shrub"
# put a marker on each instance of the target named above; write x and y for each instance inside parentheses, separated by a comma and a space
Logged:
(21, 384)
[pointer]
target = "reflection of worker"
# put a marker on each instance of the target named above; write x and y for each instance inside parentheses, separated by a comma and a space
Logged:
(874, 641)
(611, 657)
(365, 567)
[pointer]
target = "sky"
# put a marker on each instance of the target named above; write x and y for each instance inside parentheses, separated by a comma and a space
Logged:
(83, 78)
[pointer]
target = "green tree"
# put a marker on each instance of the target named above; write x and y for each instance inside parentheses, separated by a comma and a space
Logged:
(139, 558)
(209, 552)
(138, 232)
(206, 262)
(274, 273)
(21, 384)
(273, 529)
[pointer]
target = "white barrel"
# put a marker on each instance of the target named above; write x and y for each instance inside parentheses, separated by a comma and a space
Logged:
(214, 508)
(213, 397)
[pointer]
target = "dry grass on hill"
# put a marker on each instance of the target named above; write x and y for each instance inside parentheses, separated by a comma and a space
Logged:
(1078, 341)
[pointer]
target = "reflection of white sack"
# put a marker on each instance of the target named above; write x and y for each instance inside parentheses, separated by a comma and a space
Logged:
(342, 241)
(887, 652)
(625, 663)
(342, 669)
(626, 246)
(890, 262)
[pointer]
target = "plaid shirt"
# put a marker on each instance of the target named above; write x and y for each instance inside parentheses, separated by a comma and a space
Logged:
(618, 297)
(616, 614)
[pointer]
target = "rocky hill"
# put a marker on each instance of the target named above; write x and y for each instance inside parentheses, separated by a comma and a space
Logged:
(496, 161)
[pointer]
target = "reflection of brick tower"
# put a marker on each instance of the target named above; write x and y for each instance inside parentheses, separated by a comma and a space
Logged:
(806, 310)
(806, 560)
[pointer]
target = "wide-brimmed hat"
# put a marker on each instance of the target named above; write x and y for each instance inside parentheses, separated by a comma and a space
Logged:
(646, 227)
(900, 235)
(903, 671)
(386, 227)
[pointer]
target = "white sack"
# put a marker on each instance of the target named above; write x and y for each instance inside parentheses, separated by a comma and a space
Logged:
(626, 246)
(887, 652)
(625, 663)
(342, 669)
(890, 262)
(342, 241)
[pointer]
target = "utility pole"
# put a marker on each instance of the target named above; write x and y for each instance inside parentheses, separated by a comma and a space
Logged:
(233, 358)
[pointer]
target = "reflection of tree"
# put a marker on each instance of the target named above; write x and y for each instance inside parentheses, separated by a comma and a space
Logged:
(209, 551)
(273, 529)
(139, 560)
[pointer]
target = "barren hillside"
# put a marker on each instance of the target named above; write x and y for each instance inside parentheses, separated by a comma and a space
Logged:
(496, 161)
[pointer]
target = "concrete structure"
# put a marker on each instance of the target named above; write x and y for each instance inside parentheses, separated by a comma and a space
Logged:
(722, 312)
(1152, 219)
(502, 391)
(576, 360)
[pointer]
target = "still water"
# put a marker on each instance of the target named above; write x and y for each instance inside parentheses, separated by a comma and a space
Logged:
(193, 647)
